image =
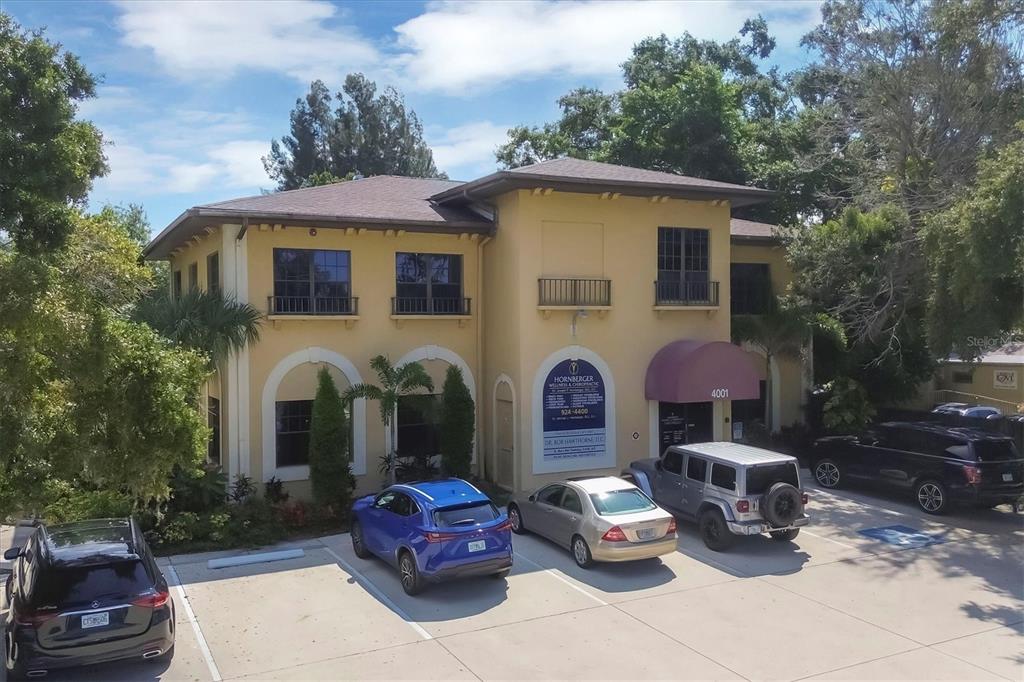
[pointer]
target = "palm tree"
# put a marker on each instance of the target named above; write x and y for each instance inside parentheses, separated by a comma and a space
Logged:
(782, 331)
(395, 383)
(203, 321)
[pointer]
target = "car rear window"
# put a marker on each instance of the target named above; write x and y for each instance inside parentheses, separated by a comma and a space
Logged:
(760, 478)
(995, 450)
(626, 501)
(465, 515)
(61, 587)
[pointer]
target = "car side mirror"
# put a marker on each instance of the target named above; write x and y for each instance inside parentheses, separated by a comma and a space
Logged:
(657, 465)
(532, 498)
(12, 554)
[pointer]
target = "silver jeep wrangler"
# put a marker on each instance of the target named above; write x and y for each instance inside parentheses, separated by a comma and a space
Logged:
(728, 488)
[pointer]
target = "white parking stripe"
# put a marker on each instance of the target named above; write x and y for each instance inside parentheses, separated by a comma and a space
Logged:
(822, 537)
(563, 579)
(203, 646)
(375, 591)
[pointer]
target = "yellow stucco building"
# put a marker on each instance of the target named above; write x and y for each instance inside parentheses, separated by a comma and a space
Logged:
(588, 306)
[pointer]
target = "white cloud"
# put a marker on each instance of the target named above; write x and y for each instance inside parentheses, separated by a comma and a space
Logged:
(300, 38)
(453, 46)
(109, 100)
(470, 146)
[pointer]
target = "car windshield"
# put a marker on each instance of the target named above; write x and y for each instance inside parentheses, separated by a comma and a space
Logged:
(626, 501)
(465, 515)
(62, 587)
(995, 450)
(760, 478)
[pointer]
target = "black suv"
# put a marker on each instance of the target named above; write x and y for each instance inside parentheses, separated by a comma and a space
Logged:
(942, 465)
(83, 593)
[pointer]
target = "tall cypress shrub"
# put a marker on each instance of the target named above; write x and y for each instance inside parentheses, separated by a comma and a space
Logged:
(329, 469)
(457, 411)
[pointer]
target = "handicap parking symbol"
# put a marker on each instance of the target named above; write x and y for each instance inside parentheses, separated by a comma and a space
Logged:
(902, 536)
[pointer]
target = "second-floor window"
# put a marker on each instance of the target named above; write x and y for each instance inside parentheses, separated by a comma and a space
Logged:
(683, 265)
(429, 284)
(312, 282)
(750, 288)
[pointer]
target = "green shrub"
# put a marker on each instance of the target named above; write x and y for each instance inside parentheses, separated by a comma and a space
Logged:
(457, 413)
(75, 505)
(329, 470)
(198, 491)
(274, 492)
(179, 529)
(242, 489)
(847, 408)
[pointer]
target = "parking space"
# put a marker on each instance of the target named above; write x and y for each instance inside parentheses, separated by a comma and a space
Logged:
(833, 604)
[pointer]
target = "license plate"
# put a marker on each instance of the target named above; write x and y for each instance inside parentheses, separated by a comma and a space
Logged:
(477, 546)
(95, 620)
(646, 533)
(1008, 478)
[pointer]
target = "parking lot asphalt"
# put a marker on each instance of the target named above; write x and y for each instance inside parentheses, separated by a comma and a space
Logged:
(833, 604)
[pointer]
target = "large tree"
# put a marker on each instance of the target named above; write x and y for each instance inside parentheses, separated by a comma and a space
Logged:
(911, 96)
(48, 159)
(367, 133)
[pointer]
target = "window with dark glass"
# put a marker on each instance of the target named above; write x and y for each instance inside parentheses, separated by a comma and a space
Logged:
(176, 279)
(683, 264)
(213, 272)
(723, 476)
(193, 276)
(312, 282)
(696, 468)
(419, 432)
(213, 421)
(428, 284)
(750, 288)
(672, 462)
(293, 420)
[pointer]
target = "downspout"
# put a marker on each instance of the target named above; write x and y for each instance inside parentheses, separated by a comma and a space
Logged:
(481, 371)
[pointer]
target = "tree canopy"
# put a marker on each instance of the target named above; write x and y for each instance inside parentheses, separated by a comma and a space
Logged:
(367, 133)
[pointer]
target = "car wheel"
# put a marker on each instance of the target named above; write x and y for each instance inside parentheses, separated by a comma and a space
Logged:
(359, 541)
(714, 531)
(581, 552)
(932, 497)
(785, 535)
(827, 473)
(411, 581)
(501, 575)
(515, 517)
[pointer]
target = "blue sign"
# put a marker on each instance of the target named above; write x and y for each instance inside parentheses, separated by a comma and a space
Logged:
(574, 411)
(902, 536)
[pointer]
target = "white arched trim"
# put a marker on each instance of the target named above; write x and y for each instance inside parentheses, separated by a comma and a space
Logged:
(452, 358)
(606, 461)
(314, 355)
(504, 379)
(776, 387)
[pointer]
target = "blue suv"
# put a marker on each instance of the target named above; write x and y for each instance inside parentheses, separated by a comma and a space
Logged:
(433, 531)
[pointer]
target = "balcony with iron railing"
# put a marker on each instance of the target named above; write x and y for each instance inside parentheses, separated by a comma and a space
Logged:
(680, 294)
(573, 292)
(326, 306)
(423, 305)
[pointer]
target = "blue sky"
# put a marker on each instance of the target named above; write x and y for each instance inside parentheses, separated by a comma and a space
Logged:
(193, 92)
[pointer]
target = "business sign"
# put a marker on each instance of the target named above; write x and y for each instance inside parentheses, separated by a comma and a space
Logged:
(1005, 378)
(573, 404)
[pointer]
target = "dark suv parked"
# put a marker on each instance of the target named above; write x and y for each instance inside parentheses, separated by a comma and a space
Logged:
(83, 593)
(942, 465)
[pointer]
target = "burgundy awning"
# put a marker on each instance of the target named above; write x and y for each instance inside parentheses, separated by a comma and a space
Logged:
(699, 371)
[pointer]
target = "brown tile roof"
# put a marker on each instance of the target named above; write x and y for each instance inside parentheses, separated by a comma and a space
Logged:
(579, 175)
(748, 229)
(376, 202)
(381, 197)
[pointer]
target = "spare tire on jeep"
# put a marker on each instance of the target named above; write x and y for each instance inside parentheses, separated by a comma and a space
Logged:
(782, 504)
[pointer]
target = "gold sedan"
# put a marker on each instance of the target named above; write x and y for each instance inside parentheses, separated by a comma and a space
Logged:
(596, 519)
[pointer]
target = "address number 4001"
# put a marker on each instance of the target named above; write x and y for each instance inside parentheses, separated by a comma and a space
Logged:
(719, 393)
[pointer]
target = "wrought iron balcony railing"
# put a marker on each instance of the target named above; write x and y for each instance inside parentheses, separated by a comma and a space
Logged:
(415, 305)
(313, 305)
(679, 293)
(574, 292)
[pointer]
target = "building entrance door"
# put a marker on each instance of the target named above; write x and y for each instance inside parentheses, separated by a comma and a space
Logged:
(505, 443)
(681, 423)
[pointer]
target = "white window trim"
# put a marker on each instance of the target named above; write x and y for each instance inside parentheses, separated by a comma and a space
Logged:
(315, 355)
